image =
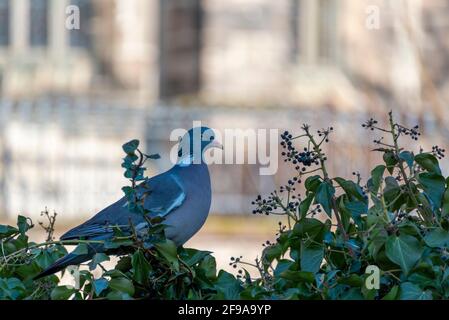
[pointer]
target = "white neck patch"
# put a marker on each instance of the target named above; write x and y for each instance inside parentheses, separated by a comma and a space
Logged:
(185, 161)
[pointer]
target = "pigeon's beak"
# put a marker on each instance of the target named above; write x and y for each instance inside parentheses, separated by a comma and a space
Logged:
(215, 144)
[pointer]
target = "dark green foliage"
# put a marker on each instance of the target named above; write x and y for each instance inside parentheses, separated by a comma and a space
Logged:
(397, 221)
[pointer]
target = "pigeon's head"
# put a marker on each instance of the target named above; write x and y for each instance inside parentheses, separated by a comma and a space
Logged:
(196, 141)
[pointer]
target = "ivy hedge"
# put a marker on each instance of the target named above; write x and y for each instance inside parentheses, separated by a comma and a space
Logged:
(384, 238)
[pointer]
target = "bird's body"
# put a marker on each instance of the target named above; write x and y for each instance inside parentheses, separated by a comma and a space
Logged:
(181, 195)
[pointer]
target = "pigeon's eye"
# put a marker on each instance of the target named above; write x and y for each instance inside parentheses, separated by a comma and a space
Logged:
(212, 138)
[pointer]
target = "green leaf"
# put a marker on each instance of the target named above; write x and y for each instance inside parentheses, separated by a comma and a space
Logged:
(437, 238)
(98, 258)
(357, 208)
(408, 157)
(324, 196)
(310, 227)
(22, 224)
(117, 295)
(434, 186)
(352, 280)
(352, 294)
(390, 160)
(44, 259)
(410, 291)
(298, 276)
(392, 294)
(428, 162)
(100, 285)
(404, 250)
(351, 188)
(81, 249)
(124, 264)
(127, 190)
(312, 183)
(7, 231)
(169, 251)
(62, 293)
(28, 271)
(311, 257)
(193, 256)
(131, 146)
(272, 252)
(376, 177)
(209, 266)
(228, 286)
(141, 267)
(122, 284)
(305, 205)
(445, 205)
(282, 266)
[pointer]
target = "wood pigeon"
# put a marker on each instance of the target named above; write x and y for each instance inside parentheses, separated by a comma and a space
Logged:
(181, 195)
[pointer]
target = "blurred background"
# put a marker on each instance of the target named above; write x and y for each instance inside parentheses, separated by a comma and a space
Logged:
(70, 97)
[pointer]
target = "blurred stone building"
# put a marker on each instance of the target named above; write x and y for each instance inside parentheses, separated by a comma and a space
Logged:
(140, 68)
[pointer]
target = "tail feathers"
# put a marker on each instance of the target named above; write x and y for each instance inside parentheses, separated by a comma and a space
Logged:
(68, 260)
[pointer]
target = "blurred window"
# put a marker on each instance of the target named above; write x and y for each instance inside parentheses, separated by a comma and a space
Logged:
(39, 23)
(326, 30)
(5, 11)
(313, 29)
(81, 37)
(294, 30)
(180, 37)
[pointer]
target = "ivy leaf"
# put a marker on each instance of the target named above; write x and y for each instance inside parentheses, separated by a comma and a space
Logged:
(404, 250)
(437, 238)
(408, 157)
(128, 191)
(122, 284)
(209, 266)
(310, 227)
(100, 285)
(62, 292)
(390, 160)
(376, 177)
(141, 267)
(324, 196)
(98, 258)
(357, 208)
(22, 224)
(428, 162)
(272, 252)
(445, 205)
(168, 251)
(228, 286)
(124, 264)
(131, 146)
(193, 256)
(298, 276)
(352, 280)
(311, 257)
(116, 295)
(282, 266)
(312, 183)
(44, 259)
(410, 291)
(351, 188)
(7, 231)
(392, 294)
(305, 205)
(434, 186)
